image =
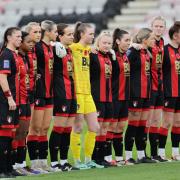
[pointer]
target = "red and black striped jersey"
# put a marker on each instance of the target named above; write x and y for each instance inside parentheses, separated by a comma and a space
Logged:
(120, 77)
(63, 83)
(156, 64)
(45, 60)
(101, 77)
(24, 79)
(139, 73)
(32, 68)
(171, 71)
(9, 65)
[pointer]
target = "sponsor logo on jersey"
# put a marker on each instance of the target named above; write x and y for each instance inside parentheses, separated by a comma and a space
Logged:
(6, 64)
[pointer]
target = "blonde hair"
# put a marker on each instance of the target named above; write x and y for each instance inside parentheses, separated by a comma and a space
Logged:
(142, 34)
(29, 26)
(100, 36)
(160, 18)
(47, 25)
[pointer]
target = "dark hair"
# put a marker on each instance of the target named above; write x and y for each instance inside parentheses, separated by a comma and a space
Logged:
(143, 33)
(117, 34)
(7, 33)
(46, 25)
(175, 28)
(80, 28)
(60, 28)
(24, 34)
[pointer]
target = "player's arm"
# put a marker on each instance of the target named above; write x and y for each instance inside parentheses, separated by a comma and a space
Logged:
(5, 87)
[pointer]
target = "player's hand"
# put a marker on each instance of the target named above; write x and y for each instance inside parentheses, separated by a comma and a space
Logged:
(113, 54)
(94, 50)
(11, 103)
(60, 50)
(136, 46)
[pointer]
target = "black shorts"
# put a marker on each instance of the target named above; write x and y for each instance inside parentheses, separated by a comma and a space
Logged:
(104, 111)
(120, 111)
(156, 100)
(24, 112)
(139, 104)
(172, 104)
(8, 119)
(31, 98)
(43, 103)
(65, 107)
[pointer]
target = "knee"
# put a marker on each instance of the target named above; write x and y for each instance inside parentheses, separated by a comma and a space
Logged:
(166, 125)
(35, 130)
(155, 123)
(44, 131)
(78, 128)
(95, 128)
(134, 115)
(21, 135)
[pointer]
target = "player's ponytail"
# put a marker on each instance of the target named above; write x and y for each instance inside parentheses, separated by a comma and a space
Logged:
(142, 34)
(117, 34)
(46, 25)
(77, 32)
(80, 28)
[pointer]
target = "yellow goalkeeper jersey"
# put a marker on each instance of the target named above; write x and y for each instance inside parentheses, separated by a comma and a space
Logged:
(81, 68)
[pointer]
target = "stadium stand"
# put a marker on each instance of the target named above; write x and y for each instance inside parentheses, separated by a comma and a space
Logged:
(105, 14)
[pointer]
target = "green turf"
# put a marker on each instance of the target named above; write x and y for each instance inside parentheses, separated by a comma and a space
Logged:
(159, 171)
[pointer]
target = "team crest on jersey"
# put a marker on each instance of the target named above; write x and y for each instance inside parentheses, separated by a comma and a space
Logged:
(37, 101)
(85, 52)
(64, 108)
(135, 103)
(6, 64)
(166, 103)
(9, 119)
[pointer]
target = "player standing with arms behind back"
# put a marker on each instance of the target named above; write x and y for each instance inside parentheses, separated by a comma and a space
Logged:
(171, 79)
(43, 98)
(83, 37)
(156, 101)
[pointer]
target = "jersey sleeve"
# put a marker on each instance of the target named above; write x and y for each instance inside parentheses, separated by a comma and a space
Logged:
(132, 55)
(5, 63)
